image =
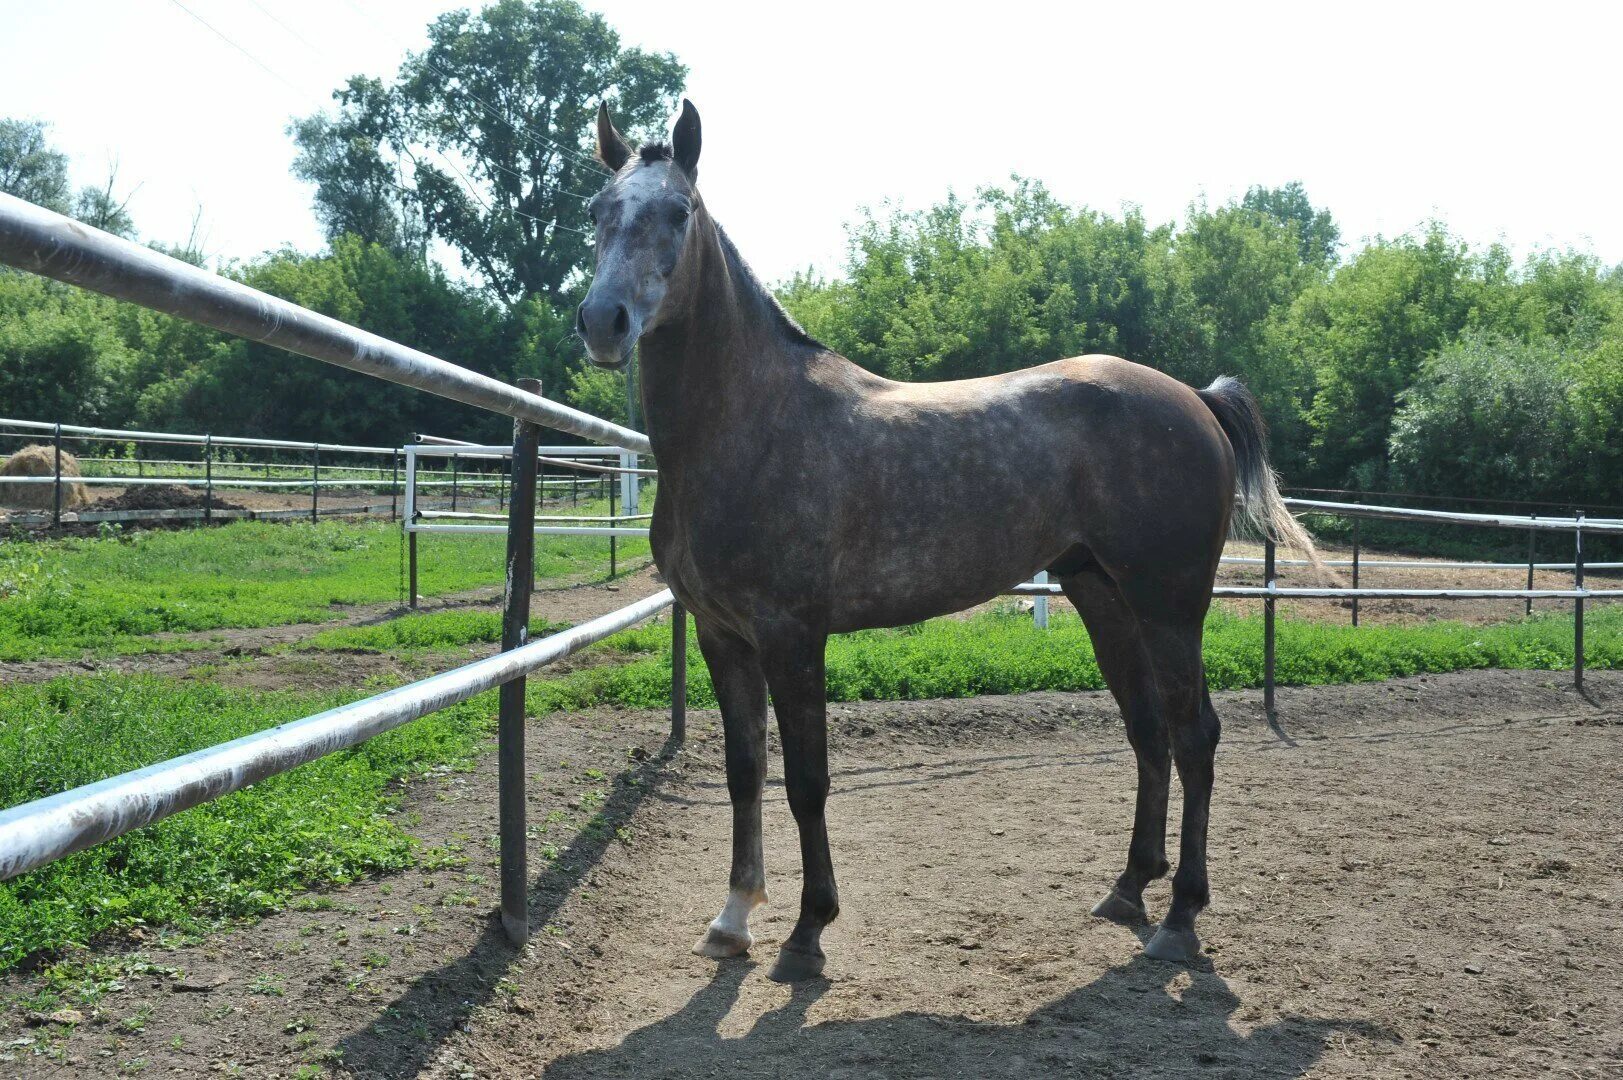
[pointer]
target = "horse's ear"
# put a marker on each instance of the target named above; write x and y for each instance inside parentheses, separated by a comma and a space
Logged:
(685, 140)
(612, 149)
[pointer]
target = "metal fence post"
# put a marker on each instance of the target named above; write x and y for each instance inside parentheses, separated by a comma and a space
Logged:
(613, 545)
(56, 501)
(1578, 605)
(1039, 606)
(679, 672)
(1268, 630)
(1532, 538)
(409, 523)
(208, 476)
(1355, 571)
(315, 483)
(510, 721)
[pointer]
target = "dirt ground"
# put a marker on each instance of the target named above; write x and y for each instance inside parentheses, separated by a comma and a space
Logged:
(1418, 878)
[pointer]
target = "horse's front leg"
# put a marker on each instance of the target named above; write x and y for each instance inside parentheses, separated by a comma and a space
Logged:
(793, 662)
(740, 687)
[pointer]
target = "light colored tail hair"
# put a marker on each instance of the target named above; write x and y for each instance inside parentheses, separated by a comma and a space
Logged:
(1261, 511)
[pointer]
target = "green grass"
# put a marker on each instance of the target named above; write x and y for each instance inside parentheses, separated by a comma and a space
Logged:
(423, 632)
(240, 855)
(1006, 654)
(105, 595)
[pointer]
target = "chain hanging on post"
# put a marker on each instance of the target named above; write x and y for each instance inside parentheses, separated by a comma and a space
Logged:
(315, 483)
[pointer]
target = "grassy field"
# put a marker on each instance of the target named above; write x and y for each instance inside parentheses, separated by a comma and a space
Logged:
(105, 596)
(330, 821)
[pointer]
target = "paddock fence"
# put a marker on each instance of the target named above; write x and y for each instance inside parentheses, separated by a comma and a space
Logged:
(36, 833)
(338, 479)
(580, 466)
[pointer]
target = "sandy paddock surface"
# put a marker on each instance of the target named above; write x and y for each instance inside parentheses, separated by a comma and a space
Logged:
(1417, 878)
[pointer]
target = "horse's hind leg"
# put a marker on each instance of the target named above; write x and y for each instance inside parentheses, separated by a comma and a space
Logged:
(740, 688)
(1192, 722)
(1119, 648)
(1147, 637)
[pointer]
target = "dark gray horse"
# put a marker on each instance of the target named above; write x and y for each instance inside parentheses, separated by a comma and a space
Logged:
(801, 496)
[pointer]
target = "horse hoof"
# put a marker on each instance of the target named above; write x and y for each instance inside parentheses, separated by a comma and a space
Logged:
(1118, 908)
(720, 944)
(1173, 946)
(795, 966)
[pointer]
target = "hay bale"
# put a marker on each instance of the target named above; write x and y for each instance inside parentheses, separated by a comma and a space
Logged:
(39, 460)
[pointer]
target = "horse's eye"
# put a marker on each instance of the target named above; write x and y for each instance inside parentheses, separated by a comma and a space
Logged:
(681, 214)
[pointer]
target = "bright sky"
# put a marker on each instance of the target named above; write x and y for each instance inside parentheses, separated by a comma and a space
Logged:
(1501, 119)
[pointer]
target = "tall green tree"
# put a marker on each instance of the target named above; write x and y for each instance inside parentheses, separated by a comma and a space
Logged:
(488, 130)
(1317, 236)
(31, 169)
(360, 174)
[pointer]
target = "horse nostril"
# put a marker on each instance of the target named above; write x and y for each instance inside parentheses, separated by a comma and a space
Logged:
(580, 320)
(622, 321)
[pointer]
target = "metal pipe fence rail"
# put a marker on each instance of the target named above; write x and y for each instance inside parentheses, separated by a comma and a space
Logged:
(1272, 592)
(39, 832)
(624, 522)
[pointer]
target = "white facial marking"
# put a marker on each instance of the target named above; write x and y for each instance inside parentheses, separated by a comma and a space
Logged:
(642, 185)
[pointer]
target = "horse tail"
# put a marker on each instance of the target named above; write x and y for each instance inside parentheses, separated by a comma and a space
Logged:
(1262, 511)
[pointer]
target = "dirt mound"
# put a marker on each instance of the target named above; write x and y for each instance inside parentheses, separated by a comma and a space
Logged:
(164, 497)
(40, 460)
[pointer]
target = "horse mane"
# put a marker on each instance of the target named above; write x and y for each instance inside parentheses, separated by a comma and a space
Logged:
(656, 151)
(752, 284)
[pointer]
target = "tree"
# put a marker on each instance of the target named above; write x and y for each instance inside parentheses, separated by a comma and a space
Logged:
(30, 169)
(1316, 232)
(1366, 331)
(358, 192)
(100, 208)
(1488, 416)
(489, 130)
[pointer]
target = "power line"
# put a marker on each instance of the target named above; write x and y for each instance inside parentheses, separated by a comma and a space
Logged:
(466, 183)
(444, 157)
(252, 58)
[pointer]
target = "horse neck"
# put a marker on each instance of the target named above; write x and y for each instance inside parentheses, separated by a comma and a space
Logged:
(726, 354)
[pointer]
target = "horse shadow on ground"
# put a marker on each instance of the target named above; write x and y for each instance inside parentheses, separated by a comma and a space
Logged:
(1138, 1019)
